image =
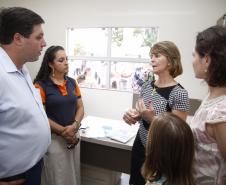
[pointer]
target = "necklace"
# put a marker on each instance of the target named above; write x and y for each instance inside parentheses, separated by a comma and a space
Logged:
(154, 90)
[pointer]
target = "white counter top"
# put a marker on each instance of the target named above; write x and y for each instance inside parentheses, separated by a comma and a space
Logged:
(98, 130)
(101, 130)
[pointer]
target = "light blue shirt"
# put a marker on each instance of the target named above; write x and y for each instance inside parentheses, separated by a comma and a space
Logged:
(24, 127)
(159, 182)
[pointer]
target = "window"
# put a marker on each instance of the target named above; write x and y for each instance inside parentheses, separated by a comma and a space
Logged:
(110, 58)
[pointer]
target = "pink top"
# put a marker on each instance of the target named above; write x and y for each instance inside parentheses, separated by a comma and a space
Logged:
(210, 166)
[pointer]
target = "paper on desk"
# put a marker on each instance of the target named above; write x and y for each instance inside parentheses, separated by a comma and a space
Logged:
(94, 127)
(108, 128)
(122, 135)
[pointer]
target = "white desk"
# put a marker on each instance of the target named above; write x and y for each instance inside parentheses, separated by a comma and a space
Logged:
(98, 150)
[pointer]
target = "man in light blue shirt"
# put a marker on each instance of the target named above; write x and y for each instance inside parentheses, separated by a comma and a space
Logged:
(24, 128)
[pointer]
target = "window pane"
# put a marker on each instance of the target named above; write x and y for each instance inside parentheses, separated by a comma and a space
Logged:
(100, 54)
(87, 42)
(133, 42)
(89, 73)
(128, 76)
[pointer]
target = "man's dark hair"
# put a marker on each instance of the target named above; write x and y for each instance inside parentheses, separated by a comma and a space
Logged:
(17, 20)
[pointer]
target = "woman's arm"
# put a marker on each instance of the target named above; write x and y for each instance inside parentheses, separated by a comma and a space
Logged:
(55, 127)
(181, 114)
(219, 131)
(80, 110)
(70, 130)
(58, 129)
(131, 116)
(180, 103)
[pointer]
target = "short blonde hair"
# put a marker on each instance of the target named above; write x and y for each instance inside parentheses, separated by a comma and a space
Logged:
(171, 52)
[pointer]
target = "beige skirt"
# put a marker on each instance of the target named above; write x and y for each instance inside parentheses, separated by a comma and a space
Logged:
(61, 165)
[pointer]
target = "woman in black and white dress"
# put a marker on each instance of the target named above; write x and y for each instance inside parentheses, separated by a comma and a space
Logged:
(163, 95)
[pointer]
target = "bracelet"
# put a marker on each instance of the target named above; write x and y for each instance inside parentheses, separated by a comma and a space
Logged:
(77, 124)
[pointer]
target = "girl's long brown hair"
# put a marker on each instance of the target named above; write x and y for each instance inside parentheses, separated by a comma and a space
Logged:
(169, 151)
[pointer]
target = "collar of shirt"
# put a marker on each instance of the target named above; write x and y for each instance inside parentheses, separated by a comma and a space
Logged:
(8, 64)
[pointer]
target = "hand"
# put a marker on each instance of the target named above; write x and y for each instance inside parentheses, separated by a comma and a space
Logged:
(140, 106)
(69, 131)
(131, 116)
(74, 142)
(146, 113)
(15, 182)
(69, 134)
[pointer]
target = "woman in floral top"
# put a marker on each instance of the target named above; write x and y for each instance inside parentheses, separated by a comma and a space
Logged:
(209, 122)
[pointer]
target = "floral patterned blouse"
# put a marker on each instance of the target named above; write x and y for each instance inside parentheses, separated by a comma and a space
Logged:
(210, 165)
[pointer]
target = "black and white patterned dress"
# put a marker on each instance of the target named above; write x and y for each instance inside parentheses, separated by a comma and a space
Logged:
(163, 99)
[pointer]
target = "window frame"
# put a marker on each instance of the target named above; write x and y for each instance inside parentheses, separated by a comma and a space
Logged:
(109, 59)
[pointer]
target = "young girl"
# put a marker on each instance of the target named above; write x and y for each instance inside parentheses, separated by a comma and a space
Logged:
(169, 152)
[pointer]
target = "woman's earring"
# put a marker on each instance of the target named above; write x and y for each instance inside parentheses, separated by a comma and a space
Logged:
(205, 70)
(53, 72)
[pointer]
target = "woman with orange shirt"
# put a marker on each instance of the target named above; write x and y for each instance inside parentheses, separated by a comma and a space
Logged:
(64, 107)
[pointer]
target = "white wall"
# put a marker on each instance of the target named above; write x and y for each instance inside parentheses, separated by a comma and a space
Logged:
(178, 20)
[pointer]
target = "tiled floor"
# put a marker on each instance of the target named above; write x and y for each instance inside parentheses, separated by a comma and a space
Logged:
(124, 179)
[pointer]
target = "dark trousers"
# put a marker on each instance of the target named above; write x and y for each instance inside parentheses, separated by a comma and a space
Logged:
(32, 176)
(137, 160)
